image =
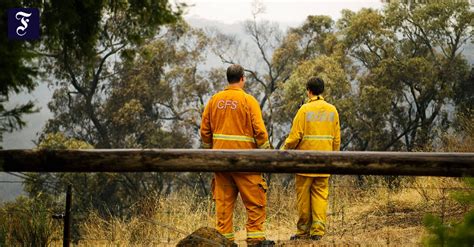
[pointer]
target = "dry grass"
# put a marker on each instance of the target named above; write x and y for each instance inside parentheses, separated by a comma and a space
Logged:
(358, 215)
(361, 212)
(159, 221)
(462, 141)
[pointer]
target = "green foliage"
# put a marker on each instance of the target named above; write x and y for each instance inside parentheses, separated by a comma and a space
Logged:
(330, 70)
(27, 222)
(167, 89)
(80, 38)
(11, 119)
(457, 233)
(77, 37)
(155, 106)
(399, 72)
(82, 27)
(466, 198)
(464, 96)
(60, 141)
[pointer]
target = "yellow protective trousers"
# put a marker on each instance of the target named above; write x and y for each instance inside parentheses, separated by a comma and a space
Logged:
(312, 202)
(252, 188)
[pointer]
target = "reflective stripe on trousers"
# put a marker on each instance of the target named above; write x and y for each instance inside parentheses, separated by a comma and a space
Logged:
(229, 236)
(259, 235)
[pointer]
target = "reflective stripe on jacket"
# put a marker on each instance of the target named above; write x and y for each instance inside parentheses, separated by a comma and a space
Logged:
(315, 127)
(232, 119)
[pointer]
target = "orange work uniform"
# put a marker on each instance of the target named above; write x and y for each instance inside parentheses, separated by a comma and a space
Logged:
(315, 127)
(232, 119)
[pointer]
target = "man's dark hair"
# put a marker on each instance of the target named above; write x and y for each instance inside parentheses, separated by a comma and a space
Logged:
(315, 85)
(234, 73)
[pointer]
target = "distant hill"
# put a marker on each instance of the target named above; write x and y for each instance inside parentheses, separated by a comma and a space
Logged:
(468, 52)
(9, 191)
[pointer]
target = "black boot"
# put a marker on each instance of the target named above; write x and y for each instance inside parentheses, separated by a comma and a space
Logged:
(260, 243)
(299, 237)
(316, 237)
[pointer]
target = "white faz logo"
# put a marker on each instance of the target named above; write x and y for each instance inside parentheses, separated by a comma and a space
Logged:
(22, 17)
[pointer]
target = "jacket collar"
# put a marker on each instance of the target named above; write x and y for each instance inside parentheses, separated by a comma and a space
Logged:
(314, 98)
(233, 87)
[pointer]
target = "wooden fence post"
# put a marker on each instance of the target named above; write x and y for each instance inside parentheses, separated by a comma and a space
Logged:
(67, 218)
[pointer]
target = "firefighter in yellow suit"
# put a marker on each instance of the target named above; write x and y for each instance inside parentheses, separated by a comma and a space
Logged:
(232, 119)
(315, 127)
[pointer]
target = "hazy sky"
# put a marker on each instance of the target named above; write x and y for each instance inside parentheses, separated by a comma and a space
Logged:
(287, 11)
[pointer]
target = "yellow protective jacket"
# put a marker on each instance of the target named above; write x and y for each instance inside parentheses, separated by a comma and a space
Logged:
(232, 119)
(315, 127)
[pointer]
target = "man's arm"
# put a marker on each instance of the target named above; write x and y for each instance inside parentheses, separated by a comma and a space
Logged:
(297, 131)
(259, 130)
(206, 132)
(336, 143)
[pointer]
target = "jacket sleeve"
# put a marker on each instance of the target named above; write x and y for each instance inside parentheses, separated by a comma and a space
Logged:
(206, 132)
(259, 130)
(336, 143)
(297, 131)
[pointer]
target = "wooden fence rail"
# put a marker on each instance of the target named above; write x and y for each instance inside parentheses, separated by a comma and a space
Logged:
(200, 160)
